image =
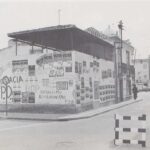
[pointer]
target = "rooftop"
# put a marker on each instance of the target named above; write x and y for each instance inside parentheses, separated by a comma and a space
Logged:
(64, 37)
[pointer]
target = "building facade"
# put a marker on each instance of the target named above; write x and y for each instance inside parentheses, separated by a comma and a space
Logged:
(124, 67)
(65, 67)
(142, 73)
(60, 65)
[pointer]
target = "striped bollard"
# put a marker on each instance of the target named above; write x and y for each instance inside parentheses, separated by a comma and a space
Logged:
(141, 130)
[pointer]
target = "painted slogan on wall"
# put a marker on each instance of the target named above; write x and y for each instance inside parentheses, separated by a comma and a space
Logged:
(14, 79)
(51, 95)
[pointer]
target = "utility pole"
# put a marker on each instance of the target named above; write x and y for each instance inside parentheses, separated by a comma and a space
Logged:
(120, 26)
(116, 71)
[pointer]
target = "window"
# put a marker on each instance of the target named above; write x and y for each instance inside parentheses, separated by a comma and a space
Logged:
(80, 68)
(76, 67)
(84, 63)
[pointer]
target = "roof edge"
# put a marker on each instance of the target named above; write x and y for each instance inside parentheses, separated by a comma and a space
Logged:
(59, 27)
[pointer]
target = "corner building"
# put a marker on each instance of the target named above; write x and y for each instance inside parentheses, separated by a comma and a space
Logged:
(61, 66)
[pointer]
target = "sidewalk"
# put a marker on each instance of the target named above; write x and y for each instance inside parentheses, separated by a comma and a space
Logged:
(66, 117)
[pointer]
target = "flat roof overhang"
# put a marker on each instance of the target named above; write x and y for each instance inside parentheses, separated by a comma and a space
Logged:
(63, 37)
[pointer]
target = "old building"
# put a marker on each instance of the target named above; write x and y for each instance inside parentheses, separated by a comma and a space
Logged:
(124, 67)
(142, 73)
(60, 66)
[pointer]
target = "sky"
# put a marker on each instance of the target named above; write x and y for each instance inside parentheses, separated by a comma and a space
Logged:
(31, 14)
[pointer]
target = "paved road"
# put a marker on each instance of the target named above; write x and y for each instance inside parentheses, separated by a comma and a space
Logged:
(88, 134)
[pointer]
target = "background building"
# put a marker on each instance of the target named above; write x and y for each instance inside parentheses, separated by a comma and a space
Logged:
(124, 67)
(142, 73)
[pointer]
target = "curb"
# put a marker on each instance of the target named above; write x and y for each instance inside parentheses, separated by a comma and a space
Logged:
(102, 112)
(72, 118)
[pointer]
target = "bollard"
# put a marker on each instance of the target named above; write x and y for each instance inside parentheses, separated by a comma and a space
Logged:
(141, 130)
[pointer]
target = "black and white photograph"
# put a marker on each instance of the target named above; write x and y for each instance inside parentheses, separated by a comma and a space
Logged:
(74, 75)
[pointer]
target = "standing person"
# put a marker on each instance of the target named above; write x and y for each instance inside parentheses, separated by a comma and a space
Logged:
(135, 91)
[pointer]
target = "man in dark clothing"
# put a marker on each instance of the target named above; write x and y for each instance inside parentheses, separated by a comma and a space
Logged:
(135, 91)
